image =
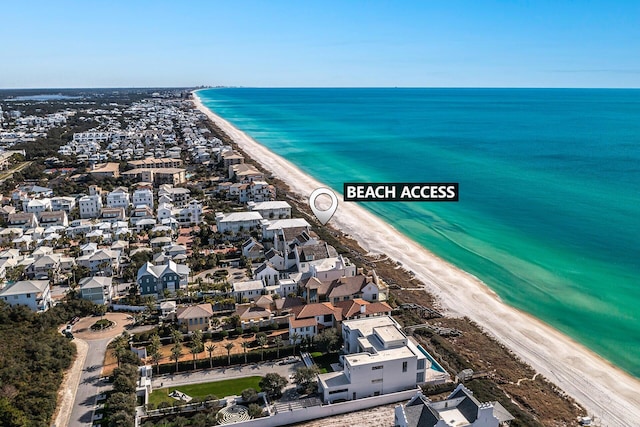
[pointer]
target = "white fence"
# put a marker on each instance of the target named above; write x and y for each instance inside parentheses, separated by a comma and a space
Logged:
(124, 307)
(322, 411)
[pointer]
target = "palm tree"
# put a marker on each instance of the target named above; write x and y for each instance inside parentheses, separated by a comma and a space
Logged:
(121, 345)
(194, 350)
(245, 345)
(155, 358)
(295, 337)
(262, 341)
(211, 348)
(278, 341)
(229, 346)
(176, 352)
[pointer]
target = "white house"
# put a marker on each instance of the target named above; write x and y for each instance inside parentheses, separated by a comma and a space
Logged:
(103, 261)
(143, 197)
(119, 198)
(236, 222)
(191, 213)
(459, 409)
(35, 294)
(37, 206)
(250, 289)
(90, 206)
(272, 209)
(66, 204)
(380, 359)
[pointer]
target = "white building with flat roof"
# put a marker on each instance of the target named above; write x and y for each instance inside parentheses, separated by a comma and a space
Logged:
(90, 206)
(272, 210)
(381, 359)
(143, 197)
(250, 289)
(236, 222)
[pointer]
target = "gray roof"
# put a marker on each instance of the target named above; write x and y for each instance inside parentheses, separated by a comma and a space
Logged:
(25, 287)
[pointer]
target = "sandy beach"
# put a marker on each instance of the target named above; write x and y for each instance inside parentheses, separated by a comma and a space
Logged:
(608, 393)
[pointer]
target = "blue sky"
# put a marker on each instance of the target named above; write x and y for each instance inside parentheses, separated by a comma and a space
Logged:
(320, 43)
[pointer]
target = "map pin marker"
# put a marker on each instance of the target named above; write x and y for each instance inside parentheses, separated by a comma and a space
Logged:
(323, 216)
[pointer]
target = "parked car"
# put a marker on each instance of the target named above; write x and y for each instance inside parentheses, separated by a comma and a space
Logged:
(289, 360)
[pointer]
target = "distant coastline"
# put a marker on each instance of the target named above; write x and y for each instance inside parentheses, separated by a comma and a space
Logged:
(548, 351)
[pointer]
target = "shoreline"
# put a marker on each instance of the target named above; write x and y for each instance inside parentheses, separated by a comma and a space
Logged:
(606, 392)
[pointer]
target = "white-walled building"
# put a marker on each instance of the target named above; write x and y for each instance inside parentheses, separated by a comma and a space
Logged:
(90, 206)
(119, 198)
(250, 289)
(381, 359)
(63, 203)
(35, 294)
(271, 210)
(143, 197)
(236, 222)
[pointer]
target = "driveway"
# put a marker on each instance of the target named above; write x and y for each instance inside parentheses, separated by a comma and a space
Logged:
(89, 385)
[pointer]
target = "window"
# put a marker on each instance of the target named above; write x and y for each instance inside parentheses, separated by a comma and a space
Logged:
(379, 380)
(404, 366)
(28, 295)
(373, 368)
(420, 377)
(420, 364)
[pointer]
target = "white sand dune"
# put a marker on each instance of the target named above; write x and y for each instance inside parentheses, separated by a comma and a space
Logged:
(608, 393)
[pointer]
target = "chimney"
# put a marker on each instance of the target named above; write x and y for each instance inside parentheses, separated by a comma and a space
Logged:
(363, 309)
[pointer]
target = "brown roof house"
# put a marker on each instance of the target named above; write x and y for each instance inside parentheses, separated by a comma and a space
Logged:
(310, 319)
(195, 317)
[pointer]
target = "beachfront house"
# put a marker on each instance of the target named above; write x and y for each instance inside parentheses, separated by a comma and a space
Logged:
(380, 359)
(460, 408)
(238, 222)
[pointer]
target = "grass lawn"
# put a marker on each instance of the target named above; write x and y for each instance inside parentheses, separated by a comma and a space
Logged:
(324, 361)
(218, 388)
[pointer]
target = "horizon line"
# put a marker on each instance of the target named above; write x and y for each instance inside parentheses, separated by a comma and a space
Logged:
(201, 87)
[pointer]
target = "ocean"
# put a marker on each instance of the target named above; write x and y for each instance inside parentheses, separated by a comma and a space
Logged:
(549, 210)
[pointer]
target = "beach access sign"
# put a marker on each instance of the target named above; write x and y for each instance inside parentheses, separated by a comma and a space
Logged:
(401, 192)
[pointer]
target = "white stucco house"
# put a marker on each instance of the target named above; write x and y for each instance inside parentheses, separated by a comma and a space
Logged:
(35, 294)
(380, 359)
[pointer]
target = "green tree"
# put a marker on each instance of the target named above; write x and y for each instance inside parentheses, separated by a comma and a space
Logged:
(328, 340)
(196, 346)
(307, 378)
(229, 347)
(255, 410)
(176, 352)
(295, 337)
(249, 395)
(262, 341)
(272, 384)
(278, 341)
(210, 349)
(245, 345)
(154, 351)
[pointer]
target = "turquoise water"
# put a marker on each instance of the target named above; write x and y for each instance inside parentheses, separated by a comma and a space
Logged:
(549, 211)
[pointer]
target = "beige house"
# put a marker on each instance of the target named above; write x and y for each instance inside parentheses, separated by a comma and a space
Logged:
(195, 317)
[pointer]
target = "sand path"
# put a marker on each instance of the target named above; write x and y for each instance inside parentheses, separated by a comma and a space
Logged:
(608, 393)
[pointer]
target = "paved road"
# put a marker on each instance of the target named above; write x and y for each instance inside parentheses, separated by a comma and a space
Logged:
(90, 385)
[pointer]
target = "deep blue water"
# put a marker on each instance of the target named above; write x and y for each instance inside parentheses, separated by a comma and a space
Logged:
(549, 211)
